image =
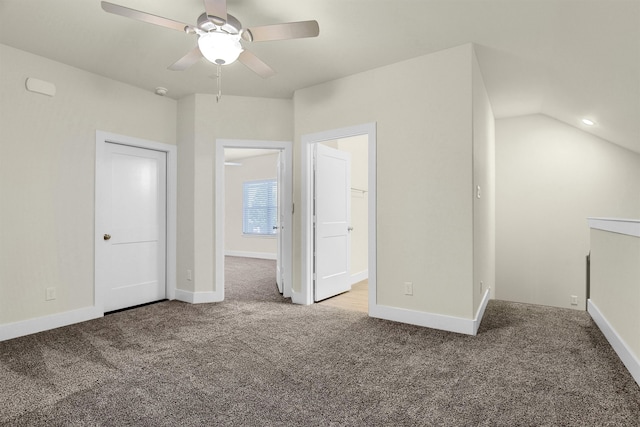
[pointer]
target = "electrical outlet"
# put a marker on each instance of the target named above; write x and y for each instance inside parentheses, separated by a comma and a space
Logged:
(408, 288)
(481, 285)
(50, 294)
(189, 275)
(574, 300)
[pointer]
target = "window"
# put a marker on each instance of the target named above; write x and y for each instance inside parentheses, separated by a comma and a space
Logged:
(260, 207)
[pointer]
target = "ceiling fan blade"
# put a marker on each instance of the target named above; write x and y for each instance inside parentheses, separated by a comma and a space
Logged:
(286, 31)
(217, 9)
(144, 17)
(256, 65)
(186, 61)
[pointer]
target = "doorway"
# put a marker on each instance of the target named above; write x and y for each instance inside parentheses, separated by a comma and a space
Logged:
(252, 211)
(135, 217)
(283, 222)
(366, 191)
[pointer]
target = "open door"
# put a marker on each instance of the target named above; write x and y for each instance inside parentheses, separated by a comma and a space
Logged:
(280, 224)
(332, 221)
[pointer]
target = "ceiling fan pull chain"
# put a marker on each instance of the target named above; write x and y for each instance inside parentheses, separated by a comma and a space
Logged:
(219, 80)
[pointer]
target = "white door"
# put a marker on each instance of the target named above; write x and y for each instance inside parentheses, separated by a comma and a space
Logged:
(280, 224)
(134, 226)
(332, 214)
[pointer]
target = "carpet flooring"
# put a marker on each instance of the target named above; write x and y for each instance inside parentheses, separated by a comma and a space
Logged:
(258, 360)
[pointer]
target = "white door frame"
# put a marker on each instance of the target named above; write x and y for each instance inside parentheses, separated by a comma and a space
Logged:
(102, 138)
(286, 148)
(305, 296)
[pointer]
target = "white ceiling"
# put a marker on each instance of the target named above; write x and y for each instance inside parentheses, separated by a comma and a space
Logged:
(564, 58)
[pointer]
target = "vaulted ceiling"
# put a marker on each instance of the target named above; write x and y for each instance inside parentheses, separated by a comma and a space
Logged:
(567, 59)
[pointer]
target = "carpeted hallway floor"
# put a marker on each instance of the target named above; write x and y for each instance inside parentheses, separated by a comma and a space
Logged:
(258, 360)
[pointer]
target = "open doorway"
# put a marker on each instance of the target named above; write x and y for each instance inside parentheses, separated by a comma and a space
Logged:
(360, 143)
(259, 175)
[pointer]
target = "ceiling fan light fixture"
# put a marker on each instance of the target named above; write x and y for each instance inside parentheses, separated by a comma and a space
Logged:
(220, 48)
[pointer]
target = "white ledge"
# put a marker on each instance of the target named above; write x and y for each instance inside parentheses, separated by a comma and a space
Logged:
(630, 227)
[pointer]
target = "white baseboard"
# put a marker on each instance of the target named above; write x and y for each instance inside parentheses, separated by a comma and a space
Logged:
(39, 324)
(259, 255)
(627, 356)
(197, 297)
(421, 318)
(432, 320)
(481, 309)
(359, 277)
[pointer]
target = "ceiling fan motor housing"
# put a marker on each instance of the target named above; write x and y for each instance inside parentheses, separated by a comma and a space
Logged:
(208, 23)
(219, 44)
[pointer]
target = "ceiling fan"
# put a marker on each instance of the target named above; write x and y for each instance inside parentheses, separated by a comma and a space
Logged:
(219, 35)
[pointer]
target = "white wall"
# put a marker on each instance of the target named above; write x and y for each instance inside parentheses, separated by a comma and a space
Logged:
(185, 254)
(47, 168)
(423, 111)
(549, 178)
(236, 243)
(202, 120)
(484, 204)
(614, 303)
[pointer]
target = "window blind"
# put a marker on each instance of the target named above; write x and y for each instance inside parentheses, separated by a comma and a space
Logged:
(260, 207)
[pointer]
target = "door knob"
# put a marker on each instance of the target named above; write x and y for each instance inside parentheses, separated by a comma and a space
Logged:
(106, 236)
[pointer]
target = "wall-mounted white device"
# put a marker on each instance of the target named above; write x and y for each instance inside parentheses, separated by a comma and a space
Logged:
(40, 86)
